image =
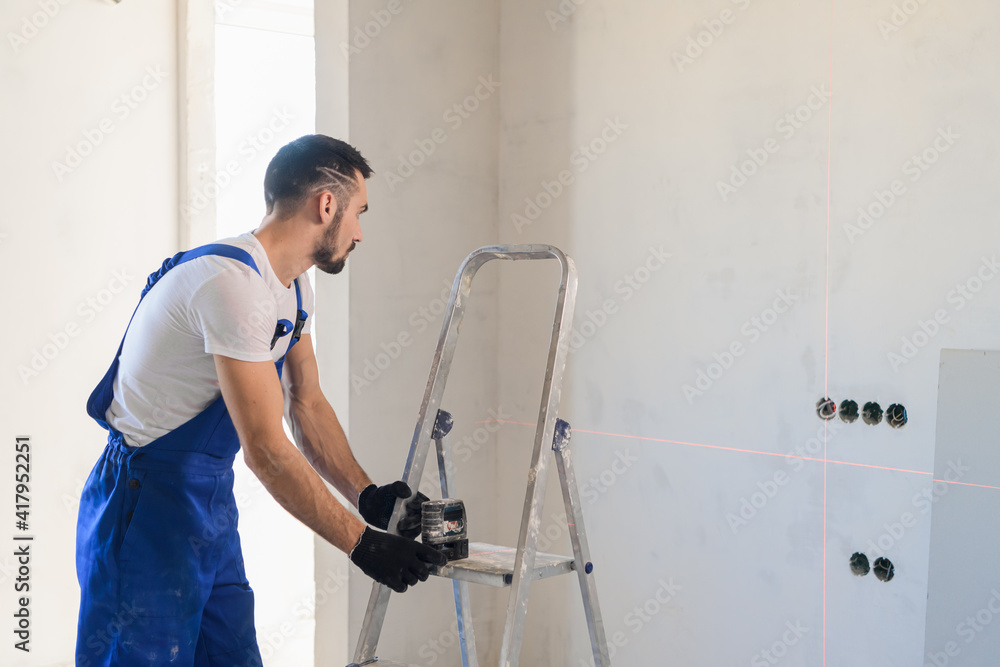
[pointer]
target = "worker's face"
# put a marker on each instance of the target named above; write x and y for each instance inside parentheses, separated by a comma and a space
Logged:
(340, 237)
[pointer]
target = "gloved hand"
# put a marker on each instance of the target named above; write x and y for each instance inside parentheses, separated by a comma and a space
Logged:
(376, 503)
(393, 560)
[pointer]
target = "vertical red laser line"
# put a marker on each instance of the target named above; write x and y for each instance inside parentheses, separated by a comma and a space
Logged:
(826, 370)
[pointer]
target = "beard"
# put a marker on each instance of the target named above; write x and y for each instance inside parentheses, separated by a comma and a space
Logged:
(326, 250)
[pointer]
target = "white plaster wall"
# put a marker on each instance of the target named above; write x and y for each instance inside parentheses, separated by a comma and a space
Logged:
(665, 517)
(682, 577)
(62, 243)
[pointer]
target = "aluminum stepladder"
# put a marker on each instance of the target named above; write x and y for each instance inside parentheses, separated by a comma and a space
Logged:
(489, 564)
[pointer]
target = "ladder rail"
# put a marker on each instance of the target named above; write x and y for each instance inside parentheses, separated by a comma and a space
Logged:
(434, 392)
(531, 515)
(581, 549)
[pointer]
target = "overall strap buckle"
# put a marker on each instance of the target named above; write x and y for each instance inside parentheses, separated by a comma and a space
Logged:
(300, 316)
(300, 323)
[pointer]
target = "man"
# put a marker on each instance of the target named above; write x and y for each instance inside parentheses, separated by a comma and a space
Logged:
(217, 349)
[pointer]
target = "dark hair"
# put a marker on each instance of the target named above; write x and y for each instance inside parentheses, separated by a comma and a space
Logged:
(309, 165)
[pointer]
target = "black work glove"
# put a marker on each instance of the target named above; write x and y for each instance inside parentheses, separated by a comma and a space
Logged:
(377, 502)
(395, 561)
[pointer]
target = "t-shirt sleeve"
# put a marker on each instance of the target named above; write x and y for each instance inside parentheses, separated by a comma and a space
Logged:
(235, 312)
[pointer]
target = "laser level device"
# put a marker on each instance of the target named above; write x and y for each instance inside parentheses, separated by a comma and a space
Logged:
(444, 528)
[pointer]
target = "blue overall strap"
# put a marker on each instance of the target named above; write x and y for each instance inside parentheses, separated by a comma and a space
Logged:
(300, 316)
(221, 249)
(100, 398)
(300, 321)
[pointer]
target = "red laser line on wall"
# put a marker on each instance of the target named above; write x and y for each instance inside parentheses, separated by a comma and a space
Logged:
(981, 486)
(722, 447)
(868, 465)
(748, 451)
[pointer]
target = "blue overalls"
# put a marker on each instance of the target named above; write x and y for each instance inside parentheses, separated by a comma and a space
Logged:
(158, 555)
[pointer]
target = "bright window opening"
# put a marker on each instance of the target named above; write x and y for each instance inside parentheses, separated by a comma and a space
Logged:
(265, 83)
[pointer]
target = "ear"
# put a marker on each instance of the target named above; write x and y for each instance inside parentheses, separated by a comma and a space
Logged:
(327, 206)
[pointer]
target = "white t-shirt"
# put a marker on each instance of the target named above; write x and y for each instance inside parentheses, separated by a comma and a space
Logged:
(209, 305)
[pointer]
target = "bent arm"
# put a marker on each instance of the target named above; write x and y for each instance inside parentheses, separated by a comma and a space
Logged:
(253, 396)
(316, 427)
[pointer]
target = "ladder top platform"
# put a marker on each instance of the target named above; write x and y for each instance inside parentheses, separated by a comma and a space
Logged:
(494, 565)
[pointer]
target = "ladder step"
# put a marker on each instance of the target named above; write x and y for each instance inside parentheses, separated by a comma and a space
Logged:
(494, 565)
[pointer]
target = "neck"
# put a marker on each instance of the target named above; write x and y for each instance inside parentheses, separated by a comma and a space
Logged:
(287, 252)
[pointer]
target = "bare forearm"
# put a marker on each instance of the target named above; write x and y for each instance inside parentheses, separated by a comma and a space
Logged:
(287, 476)
(318, 432)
